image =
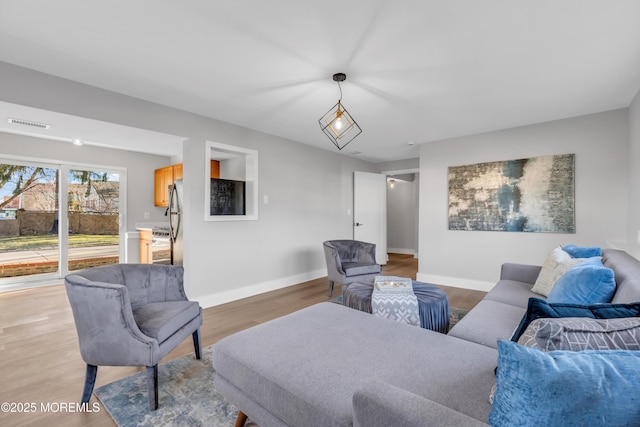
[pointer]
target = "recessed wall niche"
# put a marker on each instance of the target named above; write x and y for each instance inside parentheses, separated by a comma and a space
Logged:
(231, 194)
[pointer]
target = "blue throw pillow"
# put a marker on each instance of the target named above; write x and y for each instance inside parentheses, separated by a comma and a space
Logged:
(589, 282)
(582, 251)
(538, 308)
(566, 388)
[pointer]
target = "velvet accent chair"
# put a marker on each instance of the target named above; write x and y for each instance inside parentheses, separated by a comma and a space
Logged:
(350, 261)
(131, 315)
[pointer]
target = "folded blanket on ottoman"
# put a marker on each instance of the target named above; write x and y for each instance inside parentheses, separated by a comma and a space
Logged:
(393, 299)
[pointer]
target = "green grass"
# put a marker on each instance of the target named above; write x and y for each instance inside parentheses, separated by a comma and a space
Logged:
(50, 241)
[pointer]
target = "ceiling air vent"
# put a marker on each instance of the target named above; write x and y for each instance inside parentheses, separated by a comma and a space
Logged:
(29, 123)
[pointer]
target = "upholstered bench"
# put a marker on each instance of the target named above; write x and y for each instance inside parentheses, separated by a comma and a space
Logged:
(433, 304)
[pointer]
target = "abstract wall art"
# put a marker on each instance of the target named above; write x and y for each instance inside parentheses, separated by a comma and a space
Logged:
(529, 195)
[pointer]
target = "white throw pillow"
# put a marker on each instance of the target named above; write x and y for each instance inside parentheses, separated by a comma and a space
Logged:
(557, 263)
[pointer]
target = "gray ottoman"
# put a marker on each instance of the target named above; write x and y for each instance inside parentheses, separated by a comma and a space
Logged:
(432, 303)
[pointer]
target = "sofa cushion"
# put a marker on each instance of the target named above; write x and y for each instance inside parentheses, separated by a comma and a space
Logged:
(511, 292)
(488, 322)
(581, 333)
(359, 268)
(538, 308)
(588, 388)
(582, 251)
(279, 367)
(160, 320)
(627, 272)
(555, 265)
(589, 282)
(381, 404)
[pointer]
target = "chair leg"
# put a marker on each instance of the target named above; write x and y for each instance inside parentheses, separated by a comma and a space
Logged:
(330, 287)
(89, 382)
(241, 419)
(152, 386)
(197, 344)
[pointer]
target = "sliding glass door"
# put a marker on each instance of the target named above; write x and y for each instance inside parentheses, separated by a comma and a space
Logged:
(56, 218)
(29, 220)
(93, 210)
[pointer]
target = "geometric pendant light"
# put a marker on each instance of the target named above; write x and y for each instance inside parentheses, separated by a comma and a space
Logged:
(338, 124)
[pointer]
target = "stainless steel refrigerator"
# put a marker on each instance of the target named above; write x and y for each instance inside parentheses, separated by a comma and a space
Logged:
(176, 219)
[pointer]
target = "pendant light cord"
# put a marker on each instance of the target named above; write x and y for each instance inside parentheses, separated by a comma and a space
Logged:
(340, 87)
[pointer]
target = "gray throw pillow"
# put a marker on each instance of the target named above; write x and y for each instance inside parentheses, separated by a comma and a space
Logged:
(580, 333)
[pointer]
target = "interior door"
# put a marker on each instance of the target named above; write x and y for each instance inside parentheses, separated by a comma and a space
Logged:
(370, 211)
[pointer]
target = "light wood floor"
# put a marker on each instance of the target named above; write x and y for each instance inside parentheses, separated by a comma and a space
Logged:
(40, 360)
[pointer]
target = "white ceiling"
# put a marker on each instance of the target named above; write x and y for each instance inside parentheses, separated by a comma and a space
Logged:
(417, 70)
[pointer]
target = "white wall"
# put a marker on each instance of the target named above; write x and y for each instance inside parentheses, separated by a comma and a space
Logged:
(472, 259)
(402, 216)
(309, 189)
(633, 235)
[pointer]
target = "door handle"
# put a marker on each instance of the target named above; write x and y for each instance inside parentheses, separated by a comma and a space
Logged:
(357, 224)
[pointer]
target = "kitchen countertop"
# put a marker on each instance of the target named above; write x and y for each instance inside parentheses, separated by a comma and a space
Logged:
(151, 225)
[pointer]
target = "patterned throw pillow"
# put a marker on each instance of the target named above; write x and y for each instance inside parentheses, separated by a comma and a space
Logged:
(580, 333)
(566, 388)
(557, 263)
(538, 308)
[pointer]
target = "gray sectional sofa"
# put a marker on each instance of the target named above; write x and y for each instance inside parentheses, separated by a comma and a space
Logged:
(329, 365)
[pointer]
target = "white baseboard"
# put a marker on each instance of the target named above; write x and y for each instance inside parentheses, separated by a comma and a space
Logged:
(230, 295)
(476, 285)
(401, 251)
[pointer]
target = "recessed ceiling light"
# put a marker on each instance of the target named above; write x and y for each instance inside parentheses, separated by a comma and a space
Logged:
(356, 153)
(411, 143)
(77, 141)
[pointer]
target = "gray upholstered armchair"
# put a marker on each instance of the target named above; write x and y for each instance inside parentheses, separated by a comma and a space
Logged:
(350, 261)
(131, 315)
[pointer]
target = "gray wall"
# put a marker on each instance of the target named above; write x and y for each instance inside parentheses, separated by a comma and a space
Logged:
(402, 207)
(309, 189)
(310, 192)
(472, 258)
(397, 165)
(402, 216)
(633, 234)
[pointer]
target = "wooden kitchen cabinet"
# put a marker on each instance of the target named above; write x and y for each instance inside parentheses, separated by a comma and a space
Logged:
(146, 252)
(177, 171)
(163, 178)
(215, 169)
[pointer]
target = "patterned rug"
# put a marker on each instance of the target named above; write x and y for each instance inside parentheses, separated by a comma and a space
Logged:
(455, 315)
(180, 382)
